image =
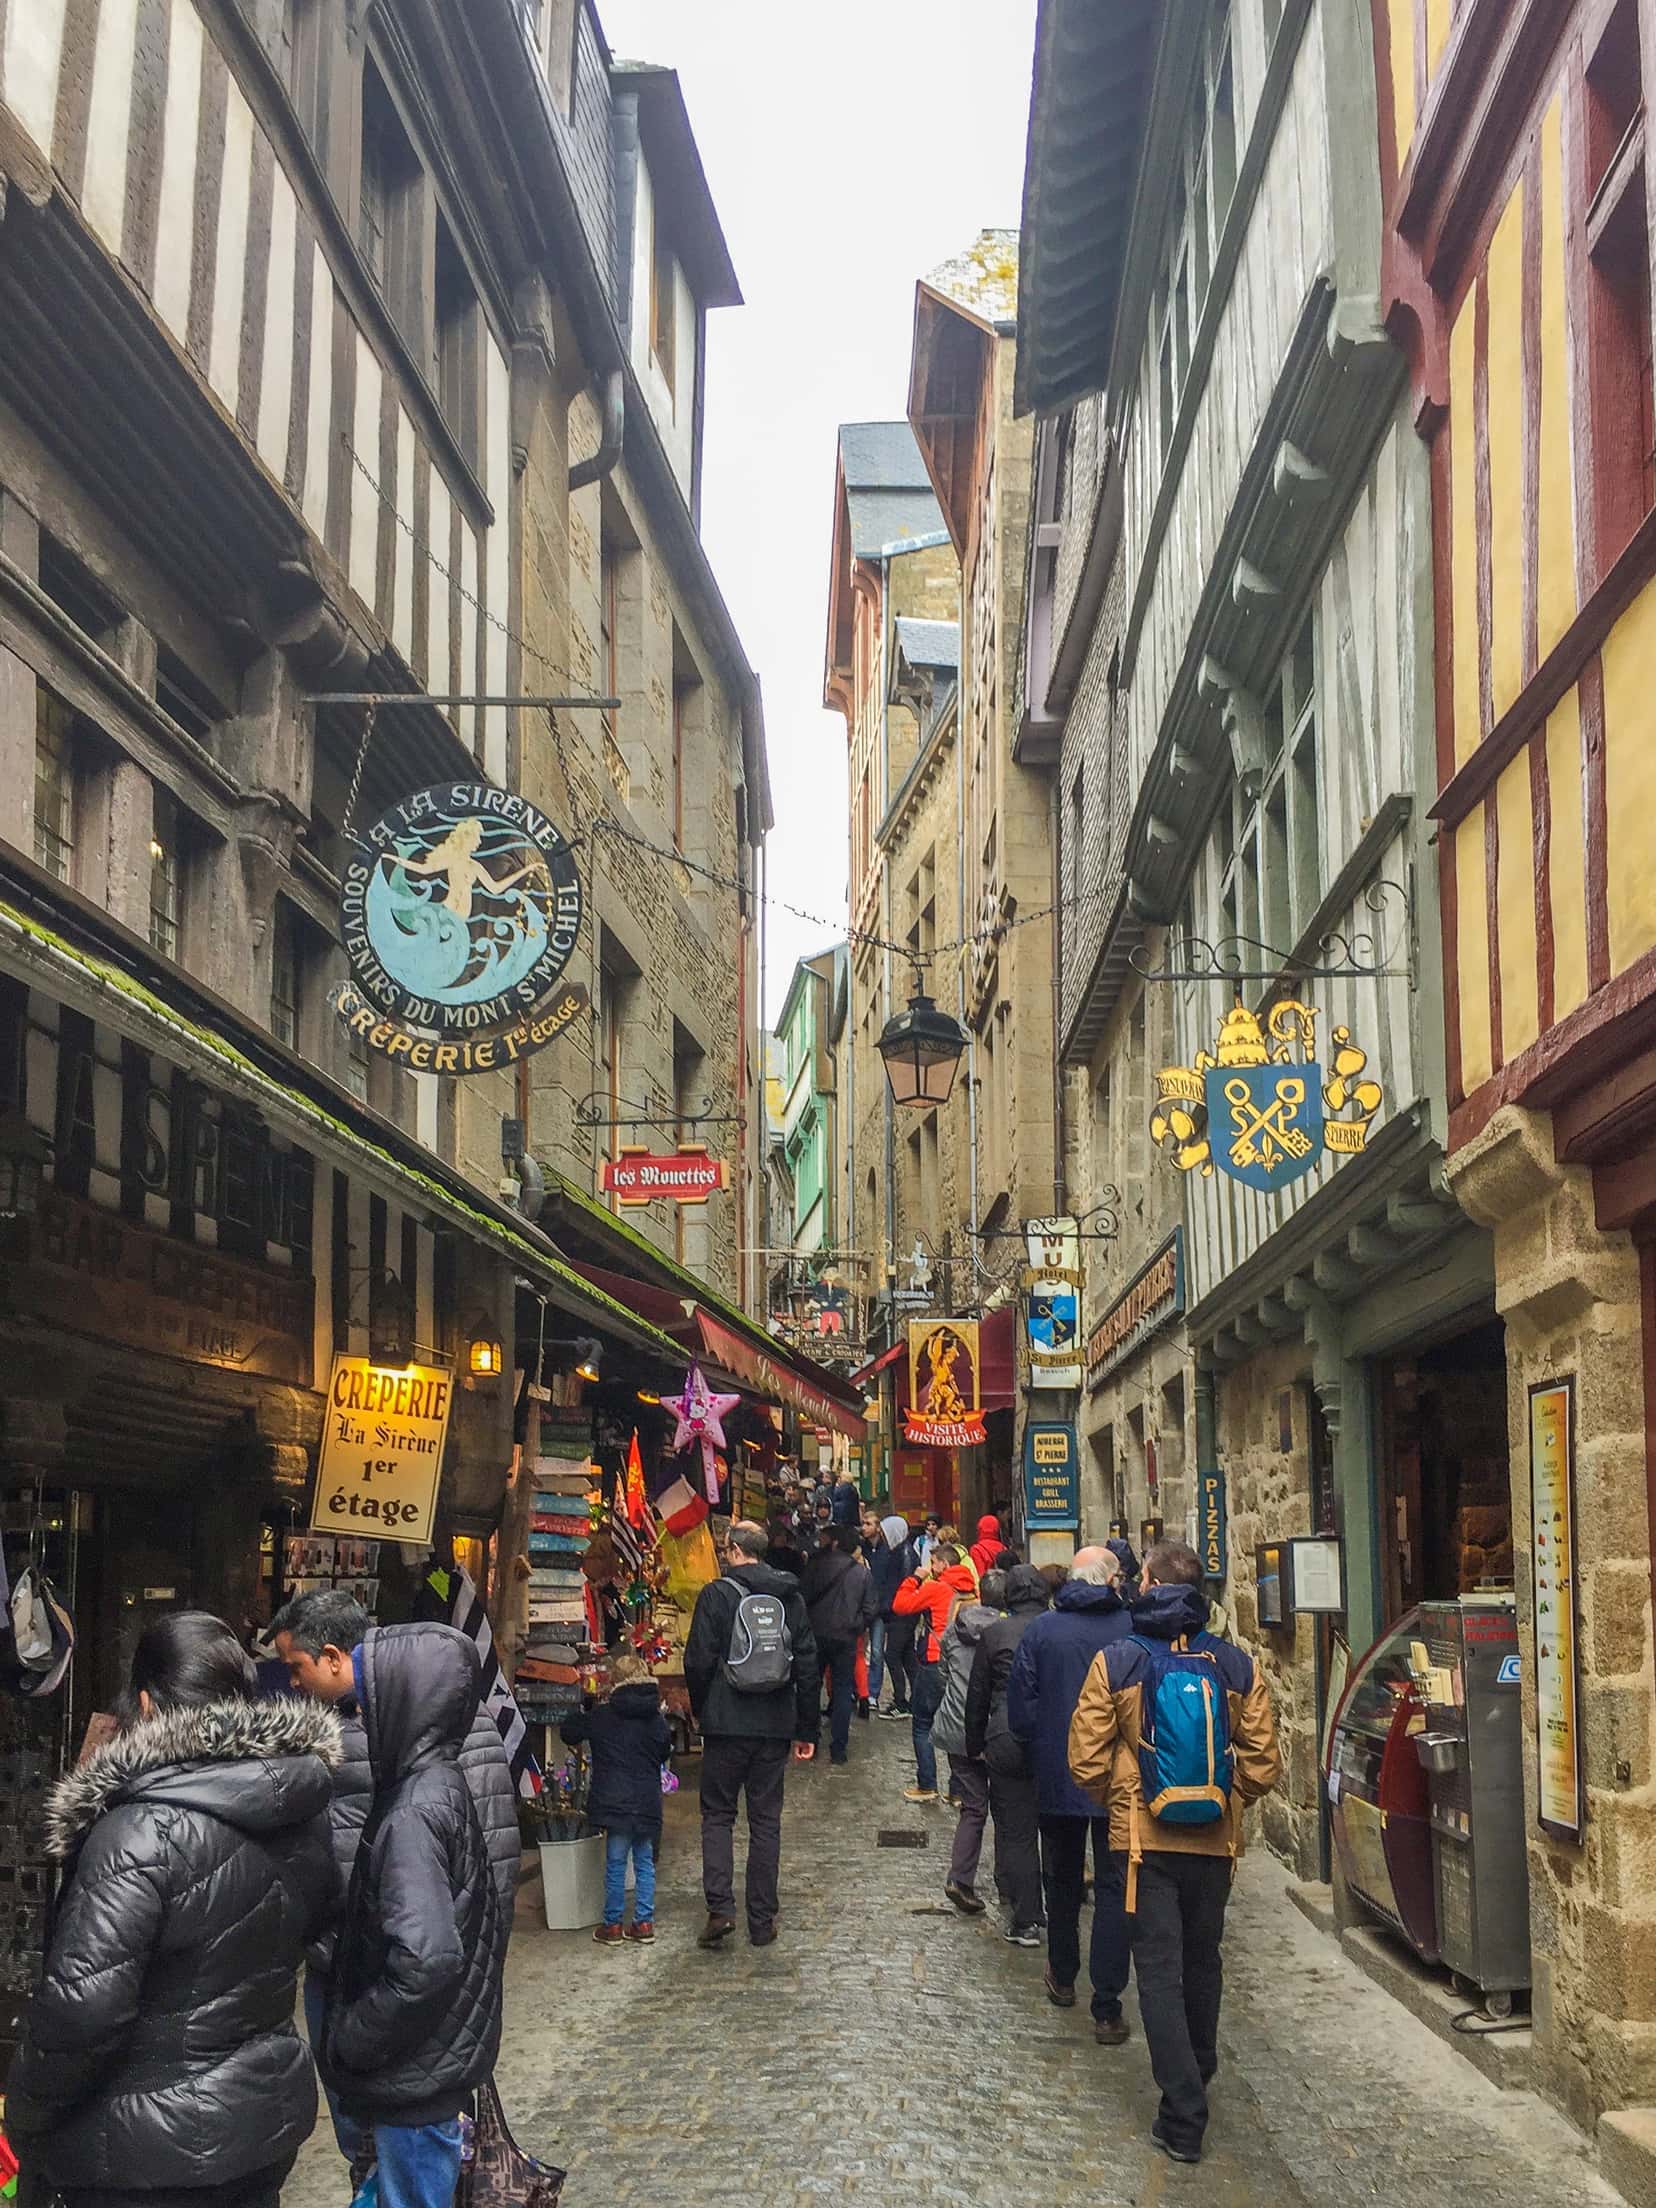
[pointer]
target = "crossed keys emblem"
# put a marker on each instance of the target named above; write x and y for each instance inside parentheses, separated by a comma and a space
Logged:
(1265, 1134)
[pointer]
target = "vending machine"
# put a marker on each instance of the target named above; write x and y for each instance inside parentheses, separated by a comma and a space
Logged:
(1471, 1750)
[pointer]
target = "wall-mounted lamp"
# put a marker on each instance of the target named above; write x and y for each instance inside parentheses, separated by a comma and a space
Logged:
(390, 1321)
(644, 1396)
(486, 1358)
(589, 1351)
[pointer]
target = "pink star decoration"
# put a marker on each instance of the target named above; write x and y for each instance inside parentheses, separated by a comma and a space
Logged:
(701, 1419)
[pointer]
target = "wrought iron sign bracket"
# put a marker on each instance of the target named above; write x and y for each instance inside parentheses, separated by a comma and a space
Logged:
(592, 1111)
(1382, 951)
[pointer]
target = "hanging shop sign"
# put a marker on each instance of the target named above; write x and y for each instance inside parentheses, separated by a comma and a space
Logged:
(382, 1449)
(1211, 1545)
(458, 920)
(1552, 1555)
(1052, 1476)
(1052, 1302)
(945, 1405)
(1258, 1106)
(685, 1176)
(1155, 1294)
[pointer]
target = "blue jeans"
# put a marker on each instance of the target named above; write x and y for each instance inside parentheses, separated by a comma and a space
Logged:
(876, 1660)
(418, 2164)
(620, 1841)
(928, 1693)
(347, 2131)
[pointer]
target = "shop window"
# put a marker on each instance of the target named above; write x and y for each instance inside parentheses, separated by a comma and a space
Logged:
(1623, 390)
(458, 344)
(54, 785)
(166, 874)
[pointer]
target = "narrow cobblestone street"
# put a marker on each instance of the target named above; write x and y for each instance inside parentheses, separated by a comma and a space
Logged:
(885, 2049)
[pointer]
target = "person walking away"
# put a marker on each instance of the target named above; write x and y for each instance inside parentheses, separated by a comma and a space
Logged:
(931, 1596)
(316, 1636)
(630, 1741)
(841, 1603)
(750, 1664)
(890, 1638)
(1012, 1797)
(158, 2061)
(1173, 1732)
(989, 1543)
(412, 2025)
(845, 1499)
(968, 1775)
(1043, 1687)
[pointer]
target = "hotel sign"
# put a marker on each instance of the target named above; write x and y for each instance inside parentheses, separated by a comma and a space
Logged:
(1154, 1295)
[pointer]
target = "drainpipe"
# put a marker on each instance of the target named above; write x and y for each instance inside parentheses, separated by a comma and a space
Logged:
(612, 431)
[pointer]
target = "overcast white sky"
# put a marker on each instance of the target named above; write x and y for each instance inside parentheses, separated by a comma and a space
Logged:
(849, 149)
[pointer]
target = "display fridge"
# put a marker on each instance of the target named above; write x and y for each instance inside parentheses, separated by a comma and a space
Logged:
(1378, 1801)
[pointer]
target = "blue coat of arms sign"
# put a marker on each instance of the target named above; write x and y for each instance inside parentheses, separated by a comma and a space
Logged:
(1260, 1106)
(458, 919)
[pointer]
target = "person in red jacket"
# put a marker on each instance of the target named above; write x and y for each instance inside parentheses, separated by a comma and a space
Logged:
(988, 1544)
(934, 1593)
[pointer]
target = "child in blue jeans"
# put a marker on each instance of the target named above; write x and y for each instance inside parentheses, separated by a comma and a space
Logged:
(630, 1742)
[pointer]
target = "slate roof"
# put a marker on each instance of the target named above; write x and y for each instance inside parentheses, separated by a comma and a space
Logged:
(928, 643)
(983, 279)
(1087, 115)
(888, 495)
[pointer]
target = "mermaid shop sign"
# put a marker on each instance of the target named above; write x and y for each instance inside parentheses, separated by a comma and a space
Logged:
(458, 919)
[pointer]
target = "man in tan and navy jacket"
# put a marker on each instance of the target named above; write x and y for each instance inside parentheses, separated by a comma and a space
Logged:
(1179, 1875)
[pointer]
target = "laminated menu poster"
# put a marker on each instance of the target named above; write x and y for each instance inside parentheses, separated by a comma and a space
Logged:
(1552, 1562)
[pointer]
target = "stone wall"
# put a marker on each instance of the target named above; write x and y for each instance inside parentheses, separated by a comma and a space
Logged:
(1570, 1298)
(1269, 1490)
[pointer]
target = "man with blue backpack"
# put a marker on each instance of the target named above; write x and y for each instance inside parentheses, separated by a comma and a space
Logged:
(1173, 1734)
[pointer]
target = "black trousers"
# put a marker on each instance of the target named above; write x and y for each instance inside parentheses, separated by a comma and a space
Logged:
(900, 1660)
(1016, 1812)
(1176, 1932)
(1064, 1869)
(260, 2189)
(839, 1658)
(730, 1768)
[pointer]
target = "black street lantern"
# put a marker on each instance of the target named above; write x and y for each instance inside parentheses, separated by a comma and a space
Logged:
(23, 1154)
(922, 1048)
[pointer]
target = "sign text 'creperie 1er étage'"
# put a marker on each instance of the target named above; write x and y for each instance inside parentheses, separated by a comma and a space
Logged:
(382, 1449)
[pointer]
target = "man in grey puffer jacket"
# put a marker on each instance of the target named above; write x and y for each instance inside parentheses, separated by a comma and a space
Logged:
(968, 1775)
(316, 1636)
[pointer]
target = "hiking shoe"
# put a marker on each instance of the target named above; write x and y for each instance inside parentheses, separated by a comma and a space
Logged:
(838, 1763)
(893, 1711)
(715, 1931)
(765, 1934)
(1061, 1997)
(1111, 2031)
(1159, 2138)
(964, 1899)
(1023, 1935)
(606, 1934)
(919, 1793)
(642, 1928)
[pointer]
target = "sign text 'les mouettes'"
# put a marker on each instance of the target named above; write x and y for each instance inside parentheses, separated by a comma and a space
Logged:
(1257, 1106)
(458, 918)
(382, 1449)
(687, 1175)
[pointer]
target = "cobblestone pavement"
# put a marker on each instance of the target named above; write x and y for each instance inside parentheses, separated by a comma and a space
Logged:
(886, 2050)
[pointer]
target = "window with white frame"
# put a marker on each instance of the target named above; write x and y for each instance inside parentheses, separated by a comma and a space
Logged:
(54, 785)
(1268, 847)
(1204, 184)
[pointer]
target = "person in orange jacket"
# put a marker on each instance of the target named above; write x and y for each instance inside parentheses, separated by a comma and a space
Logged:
(989, 1543)
(934, 1593)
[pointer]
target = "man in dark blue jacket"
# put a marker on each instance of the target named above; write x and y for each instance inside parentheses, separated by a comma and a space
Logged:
(1048, 1673)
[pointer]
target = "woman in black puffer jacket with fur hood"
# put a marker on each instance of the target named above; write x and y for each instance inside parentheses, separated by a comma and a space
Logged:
(159, 2061)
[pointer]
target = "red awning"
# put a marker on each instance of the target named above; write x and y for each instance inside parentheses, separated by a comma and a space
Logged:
(864, 1373)
(769, 1370)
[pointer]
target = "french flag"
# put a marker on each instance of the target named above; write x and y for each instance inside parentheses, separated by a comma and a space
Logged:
(679, 1507)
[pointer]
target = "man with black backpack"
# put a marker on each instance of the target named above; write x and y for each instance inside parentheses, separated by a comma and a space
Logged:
(750, 1663)
(1173, 1733)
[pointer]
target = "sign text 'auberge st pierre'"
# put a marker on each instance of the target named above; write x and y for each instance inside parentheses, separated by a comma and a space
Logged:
(382, 1449)
(458, 920)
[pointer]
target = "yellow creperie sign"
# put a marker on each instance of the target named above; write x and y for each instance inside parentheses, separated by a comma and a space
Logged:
(382, 1449)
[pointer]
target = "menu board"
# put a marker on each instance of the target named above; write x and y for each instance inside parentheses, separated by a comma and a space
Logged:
(1552, 1564)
